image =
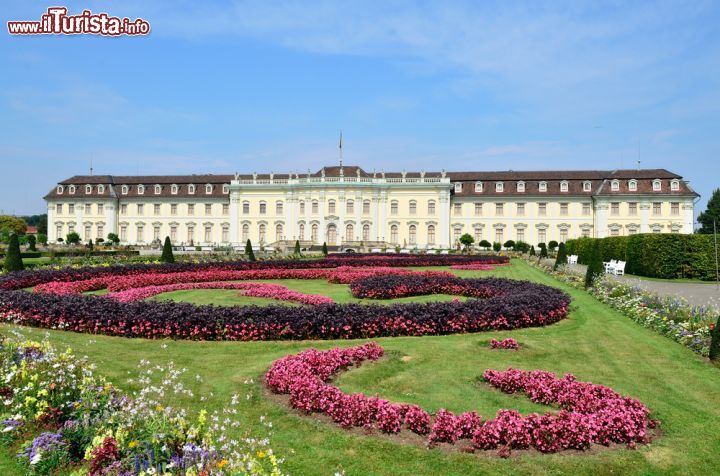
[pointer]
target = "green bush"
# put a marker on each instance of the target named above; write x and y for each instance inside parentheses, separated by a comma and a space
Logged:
(167, 252)
(249, 251)
(325, 250)
(72, 238)
(715, 342)
(543, 250)
(485, 244)
(552, 245)
(561, 258)
(595, 266)
(521, 247)
(497, 246)
(13, 260)
(532, 250)
(32, 241)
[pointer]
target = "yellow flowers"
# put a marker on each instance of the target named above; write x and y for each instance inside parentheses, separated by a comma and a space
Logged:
(222, 463)
(133, 444)
(260, 454)
(158, 408)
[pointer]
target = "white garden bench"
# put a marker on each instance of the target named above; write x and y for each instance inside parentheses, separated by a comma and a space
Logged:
(376, 250)
(615, 267)
(444, 252)
(206, 248)
(405, 251)
(572, 259)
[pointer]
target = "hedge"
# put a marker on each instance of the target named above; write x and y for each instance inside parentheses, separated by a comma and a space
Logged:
(655, 255)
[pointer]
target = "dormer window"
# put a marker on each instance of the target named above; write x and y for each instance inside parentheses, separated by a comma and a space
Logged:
(60, 189)
(675, 185)
(124, 189)
(208, 189)
(499, 186)
(174, 189)
(458, 187)
(542, 186)
(141, 189)
(478, 187)
(71, 189)
(657, 185)
(88, 189)
(615, 185)
(191, 189)
(632, 185)
(101, 189)
(564, 186)
(521, 186)
(226, 188)
(587, 186)
(158, 189)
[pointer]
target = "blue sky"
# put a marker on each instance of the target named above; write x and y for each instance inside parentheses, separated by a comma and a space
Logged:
(267, 86)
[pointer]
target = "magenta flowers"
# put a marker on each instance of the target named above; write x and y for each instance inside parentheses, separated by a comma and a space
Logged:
(508, 344)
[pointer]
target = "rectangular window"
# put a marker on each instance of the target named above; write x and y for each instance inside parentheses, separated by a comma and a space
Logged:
(457, 209)
(542, 211)
(100, 209)
(191, 235)
(521, 234)
(88, 209)
(123, 209)
(302, 207)
(431, 208)
(657, 208)
(225, 234)
(123, 233)
(100, 231)
(563, 235)
(58, 208)
(191, 209)
(393, 208)
(173, 233)
(458, 187)
(225, 209)
(366, 207)
(331, 207)
(478, 209)
(413, 207)
(563, 209)
(542, 236)
(279, 208)
(208, 234)
(140, 209)
(315, 208)
(88, 232)
(208, 209)
(350, 207)
(246, 208)
(521, 209)
(140, 233)
(632, 208)
(586, 232)
(586, 209)
(156, 232)
(173, 209)
(58, 231)
(263, 208)
(71, 208)
(156, 209)
(675, 208)
(478, 235)
(499, 235)
(615, 208)
(499, 209)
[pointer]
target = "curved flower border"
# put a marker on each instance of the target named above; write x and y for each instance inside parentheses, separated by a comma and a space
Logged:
(589, 413)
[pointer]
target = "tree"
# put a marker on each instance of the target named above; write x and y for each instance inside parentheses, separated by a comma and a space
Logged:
(13, 260)
(249, 251)
(552, 245)
(595, 266)
(509, 244)
(485, 244)
(712, 213)
(561, 258)
(90, 245)
(113, 238)
(521, 247)
(467, 240)
(31, 243)
(167, 255)
(72, 238)
(297, 248)
(324, 249)
(12, 224)
(532, 250)
(42, 239)
(715, 342)
(497, 246)
(543, 250)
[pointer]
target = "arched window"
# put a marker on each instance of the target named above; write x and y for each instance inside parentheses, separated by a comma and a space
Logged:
(331, 206)
(174, 189)
(587, 186)
(208, 189)
(279, 207)
(366, 232)
(349, 232)
(675, 185)
(60, 189)
(412, 234)
(226, 189)
(141, 189)
(261, 233)
(301, 231)
(191, 189)
(431, 234)
(615, 185)
(124, 189)
(542, 186)
(394, 207)
(331, 234)
(366, 207)
(101, 189)
(245, 232)
(632, 185)
(478, 187)
(314, 233)
(657, 185)
(158, 189)
(431, 207)
(563, 186)
(394, 234)
(71, 189)
(278, 232)
(88, 189)
(413, 207)
(350, 206)
(521, 186)
(499, 187)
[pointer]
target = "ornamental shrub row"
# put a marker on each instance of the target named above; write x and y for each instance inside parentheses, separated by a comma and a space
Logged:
(589, 413)
(515, 304)
(655, 255)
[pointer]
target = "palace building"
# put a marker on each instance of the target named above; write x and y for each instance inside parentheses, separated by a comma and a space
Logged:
(349, 207)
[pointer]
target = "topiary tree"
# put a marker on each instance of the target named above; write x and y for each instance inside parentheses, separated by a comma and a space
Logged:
(595, 266)
(552, 245)
(42, 239)
(466, 240)
(324, 249)
(715, 342)
(543, 250)
(72, 238)
(296, 252)
(113, 238)
(167, 255)
(32, 241)
(485, 244)
(13, 260)
(90, 245)
(249, 251)
(521, 247)
(561, 259)
(497, 246)
(712, 213)
(532, 250)
(509, 244)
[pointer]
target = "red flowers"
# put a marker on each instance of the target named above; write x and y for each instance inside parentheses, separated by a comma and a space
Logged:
(589, 413)
(508, 344)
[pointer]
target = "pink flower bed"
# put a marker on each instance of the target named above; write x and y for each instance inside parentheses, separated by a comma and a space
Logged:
(508, 344)
(589, 413)
(342, 274)
(265, 290)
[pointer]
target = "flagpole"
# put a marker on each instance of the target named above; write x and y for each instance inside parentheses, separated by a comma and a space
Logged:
(340, 147)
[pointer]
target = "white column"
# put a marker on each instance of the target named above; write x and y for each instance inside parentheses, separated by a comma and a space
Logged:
(322, 232)
(645, 217)
(688, 216)
(601, 220)
(234, 214)
(443, 231)
(52, 227)
(375, 217)
(111, 218)
(342, 203)
(383, 232)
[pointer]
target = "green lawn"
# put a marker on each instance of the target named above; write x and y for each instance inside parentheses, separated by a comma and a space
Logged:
(595, 343)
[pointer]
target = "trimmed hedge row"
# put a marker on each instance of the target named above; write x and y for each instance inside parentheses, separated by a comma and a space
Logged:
(655, 255)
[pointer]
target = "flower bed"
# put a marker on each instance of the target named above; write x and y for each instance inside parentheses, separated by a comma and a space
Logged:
(265, 290)
(589, 413)
(58, 414)
(508, 344)
(476, 266)
(396, 286)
